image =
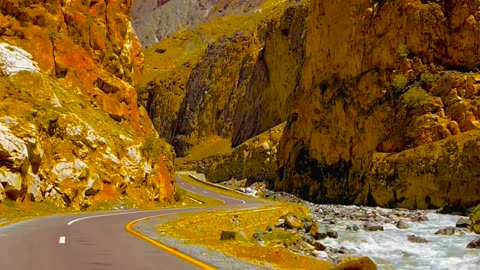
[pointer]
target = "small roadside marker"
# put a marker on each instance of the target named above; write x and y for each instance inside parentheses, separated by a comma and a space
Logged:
(61, 240)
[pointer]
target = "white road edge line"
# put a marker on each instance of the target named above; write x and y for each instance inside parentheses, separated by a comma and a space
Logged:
(243, 202)
(115, 214)
(62, 240)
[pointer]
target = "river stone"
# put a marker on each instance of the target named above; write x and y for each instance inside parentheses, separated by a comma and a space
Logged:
(318, 232)
(320, 254)
(319, 246)
(474, 244)
(373, 228)
(227, 235)
(258, 235)
(363, 263)
(402, 225)
(420, 217)
(417, 239)
(332, 234)
(463, 222)
(447, 231)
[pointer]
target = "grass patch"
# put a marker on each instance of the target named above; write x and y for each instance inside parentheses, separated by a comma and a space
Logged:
(13, 211)
(205, 229)
(237, 195)
(211, 147)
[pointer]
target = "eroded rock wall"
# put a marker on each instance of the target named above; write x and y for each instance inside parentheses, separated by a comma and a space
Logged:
(71, 129)
(386, 113)
(233, 79)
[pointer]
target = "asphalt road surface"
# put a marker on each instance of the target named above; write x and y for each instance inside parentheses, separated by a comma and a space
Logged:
(93, 241)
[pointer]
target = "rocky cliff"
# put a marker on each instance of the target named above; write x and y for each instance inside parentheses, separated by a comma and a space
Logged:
(155, 20)
(230, 77)
(254, 160)
(71, 130)
(387, 108)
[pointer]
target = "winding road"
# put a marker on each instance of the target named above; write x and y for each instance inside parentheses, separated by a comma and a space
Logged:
(95, 241)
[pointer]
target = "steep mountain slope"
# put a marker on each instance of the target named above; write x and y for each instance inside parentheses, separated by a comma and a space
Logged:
(388, 105)
(70, 127)
(380, 97)
(230, 77)
(155, 20)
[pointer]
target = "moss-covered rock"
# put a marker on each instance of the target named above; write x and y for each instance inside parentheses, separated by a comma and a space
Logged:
(475, 218)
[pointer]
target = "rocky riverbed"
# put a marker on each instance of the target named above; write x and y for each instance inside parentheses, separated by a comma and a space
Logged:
(393, 238)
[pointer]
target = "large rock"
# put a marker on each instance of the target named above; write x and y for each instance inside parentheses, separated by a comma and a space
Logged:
(378, 118)
(474, 243)
(463, 222)
(13, 150)
(448, 231)
(292, 221)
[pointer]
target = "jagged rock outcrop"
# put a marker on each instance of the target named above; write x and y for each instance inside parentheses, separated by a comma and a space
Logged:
(155, 20)
(386, 112)
(254, 160)
(71, 130)
(231, 77)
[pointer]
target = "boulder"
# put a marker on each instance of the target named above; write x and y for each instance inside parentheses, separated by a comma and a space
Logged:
(292, 221)
(474, 243)
(318, 232)
(319, 246)
(402, 225)
(332, 234)
(13, 150)
(448, 231)
(463, 222)
(227, 235)
(363, 263)
(372, 227)
(70, 170)
(94, 185)
(417, 239)
(320, 254)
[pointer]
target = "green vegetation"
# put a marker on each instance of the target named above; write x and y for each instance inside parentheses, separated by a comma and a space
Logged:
(399, 82)
(153, 147)
(210, 147)
(180, 194)
(475, 217)
(427, 78)
(402, 52)
(415, 97)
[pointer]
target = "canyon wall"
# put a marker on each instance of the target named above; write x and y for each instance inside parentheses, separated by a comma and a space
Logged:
(71, 130)
(386, 113)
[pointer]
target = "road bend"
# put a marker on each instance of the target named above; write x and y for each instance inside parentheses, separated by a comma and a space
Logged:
(95, 241)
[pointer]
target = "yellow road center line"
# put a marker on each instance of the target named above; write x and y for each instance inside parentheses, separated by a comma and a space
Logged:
(129, 228)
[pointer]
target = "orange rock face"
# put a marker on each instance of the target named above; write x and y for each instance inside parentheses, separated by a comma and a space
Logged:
(89, 62)
(382, 86)
(82, 41)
